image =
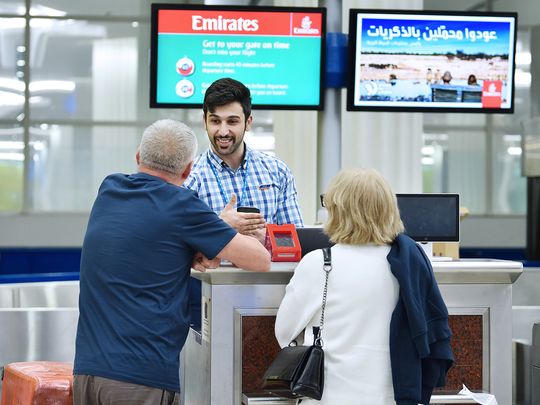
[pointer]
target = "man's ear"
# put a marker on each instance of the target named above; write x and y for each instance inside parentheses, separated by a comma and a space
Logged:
(138, 156)
(249, 121)
(187, 170)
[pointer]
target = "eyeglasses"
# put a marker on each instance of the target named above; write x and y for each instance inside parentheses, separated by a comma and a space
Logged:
(322, 200)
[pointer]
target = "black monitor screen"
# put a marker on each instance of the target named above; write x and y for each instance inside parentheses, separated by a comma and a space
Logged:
(418, 60)
(284, 240)
(430, 217)
(312, 238)
(277, 52)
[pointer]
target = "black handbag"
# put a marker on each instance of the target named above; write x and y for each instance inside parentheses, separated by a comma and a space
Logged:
(298, 371)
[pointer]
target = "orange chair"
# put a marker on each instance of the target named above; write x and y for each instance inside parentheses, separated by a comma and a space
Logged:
(37, 383)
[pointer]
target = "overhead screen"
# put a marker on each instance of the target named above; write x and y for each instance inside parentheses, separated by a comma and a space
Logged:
(430, 217)
(431, 61)
(277, 52)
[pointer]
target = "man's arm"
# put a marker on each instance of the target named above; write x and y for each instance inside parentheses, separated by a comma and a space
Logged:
(247, 253)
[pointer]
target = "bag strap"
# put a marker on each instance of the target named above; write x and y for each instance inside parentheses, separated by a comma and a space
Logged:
(327, 267)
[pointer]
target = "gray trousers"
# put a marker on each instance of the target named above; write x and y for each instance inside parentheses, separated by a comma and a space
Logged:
(92, 390)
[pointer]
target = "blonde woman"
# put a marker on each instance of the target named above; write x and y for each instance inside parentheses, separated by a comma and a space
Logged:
(363, 298)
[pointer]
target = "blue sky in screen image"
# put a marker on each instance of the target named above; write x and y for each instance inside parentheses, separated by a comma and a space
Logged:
(425, 36)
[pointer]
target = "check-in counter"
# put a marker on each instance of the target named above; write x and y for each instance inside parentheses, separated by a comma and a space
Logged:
(223, 363)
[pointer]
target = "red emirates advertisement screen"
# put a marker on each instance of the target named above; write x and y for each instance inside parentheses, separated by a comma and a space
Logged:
(277, 52)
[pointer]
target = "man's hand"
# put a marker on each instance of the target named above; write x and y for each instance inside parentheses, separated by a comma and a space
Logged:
(202, 263)
(259, 234)
(244, 222)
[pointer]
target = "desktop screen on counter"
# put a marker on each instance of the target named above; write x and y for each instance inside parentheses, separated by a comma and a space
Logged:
(430, 217)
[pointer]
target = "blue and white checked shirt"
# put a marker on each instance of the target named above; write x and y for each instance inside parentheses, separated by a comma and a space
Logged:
(262, 181)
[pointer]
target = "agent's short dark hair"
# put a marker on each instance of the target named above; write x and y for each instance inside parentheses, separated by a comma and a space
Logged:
(225, 91)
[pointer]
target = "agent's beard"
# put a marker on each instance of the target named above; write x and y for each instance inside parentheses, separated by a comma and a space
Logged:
(226, 145)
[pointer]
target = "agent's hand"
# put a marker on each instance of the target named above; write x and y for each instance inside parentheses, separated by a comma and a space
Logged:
(259, 234)
(243, 222)
(202, 263)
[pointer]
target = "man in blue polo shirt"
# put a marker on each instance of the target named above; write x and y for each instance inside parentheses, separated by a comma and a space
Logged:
(144, 234)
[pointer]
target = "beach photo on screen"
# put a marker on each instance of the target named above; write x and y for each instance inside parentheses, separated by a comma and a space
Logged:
(411, 60)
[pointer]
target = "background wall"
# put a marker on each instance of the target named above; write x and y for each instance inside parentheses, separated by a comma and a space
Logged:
(111, 124)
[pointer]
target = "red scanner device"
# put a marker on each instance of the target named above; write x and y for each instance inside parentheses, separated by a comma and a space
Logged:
(282, 243)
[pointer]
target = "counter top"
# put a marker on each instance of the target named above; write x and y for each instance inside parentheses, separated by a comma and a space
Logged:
(464, 271)
(280, 273)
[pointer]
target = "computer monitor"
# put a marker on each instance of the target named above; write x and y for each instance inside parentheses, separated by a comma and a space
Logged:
(430, 217)
(312, 238)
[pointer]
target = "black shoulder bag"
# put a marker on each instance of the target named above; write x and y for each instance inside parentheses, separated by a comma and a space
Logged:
(298, 371)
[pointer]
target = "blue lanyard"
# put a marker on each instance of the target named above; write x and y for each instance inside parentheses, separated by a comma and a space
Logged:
(220, 185)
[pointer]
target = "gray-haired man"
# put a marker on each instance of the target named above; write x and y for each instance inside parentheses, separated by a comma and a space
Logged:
(144, 234)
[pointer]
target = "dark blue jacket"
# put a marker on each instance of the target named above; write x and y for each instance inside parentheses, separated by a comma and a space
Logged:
(420, 351)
